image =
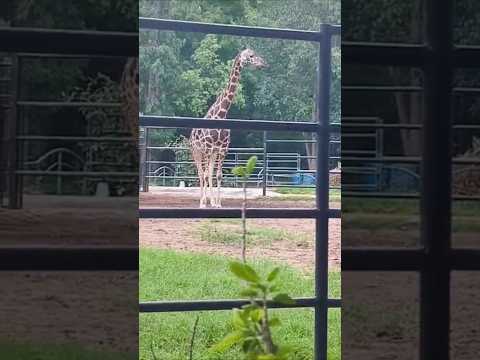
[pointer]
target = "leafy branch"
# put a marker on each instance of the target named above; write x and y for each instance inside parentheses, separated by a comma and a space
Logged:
(252, 323)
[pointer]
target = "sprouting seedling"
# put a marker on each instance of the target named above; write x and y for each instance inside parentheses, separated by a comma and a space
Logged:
(252, 323)
(245, 172)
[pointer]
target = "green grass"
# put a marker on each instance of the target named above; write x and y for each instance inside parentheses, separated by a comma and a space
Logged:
(56, 352)
(230, 233)
(167, 275)
(304, 193)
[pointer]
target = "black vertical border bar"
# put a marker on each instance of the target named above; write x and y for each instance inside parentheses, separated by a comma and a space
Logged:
(14, 186)
(436, 184)
(146, 171)
(322, 193)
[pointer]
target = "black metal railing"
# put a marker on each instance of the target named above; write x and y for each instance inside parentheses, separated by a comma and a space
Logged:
(435, 260)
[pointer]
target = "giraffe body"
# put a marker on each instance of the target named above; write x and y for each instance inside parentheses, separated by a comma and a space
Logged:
(210, 146)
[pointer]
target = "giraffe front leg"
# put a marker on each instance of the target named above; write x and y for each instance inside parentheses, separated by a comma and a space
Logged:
(210, 181)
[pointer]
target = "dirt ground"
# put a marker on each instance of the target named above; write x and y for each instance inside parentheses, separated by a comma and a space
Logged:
(183, 235)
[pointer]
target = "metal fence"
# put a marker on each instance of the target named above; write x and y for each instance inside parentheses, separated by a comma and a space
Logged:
(60, 163)
(322, 128)
(68, 44)
(274, 168)
(438, 57)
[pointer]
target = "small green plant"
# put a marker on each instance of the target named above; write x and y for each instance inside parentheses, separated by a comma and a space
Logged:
(245, 172)
(252, 323)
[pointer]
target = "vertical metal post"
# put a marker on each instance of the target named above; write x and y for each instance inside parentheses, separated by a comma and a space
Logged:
(59, 176)
(14, 180)
(322, 193)
(436, 184)
(264, 169)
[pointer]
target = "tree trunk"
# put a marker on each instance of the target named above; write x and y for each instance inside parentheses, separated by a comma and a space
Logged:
(409, 105)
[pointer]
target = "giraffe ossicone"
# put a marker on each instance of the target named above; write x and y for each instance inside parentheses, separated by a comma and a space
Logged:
(209, 147)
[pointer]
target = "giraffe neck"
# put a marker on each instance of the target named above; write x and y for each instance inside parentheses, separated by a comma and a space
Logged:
(221, 106)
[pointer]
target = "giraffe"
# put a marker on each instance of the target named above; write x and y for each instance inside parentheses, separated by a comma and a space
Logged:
(129, 96)
(210, 146)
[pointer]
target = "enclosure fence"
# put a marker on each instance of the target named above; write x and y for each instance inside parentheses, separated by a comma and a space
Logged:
(322, 128)
(61, 162)
(437, 57)
(161, 166)
(27, 42)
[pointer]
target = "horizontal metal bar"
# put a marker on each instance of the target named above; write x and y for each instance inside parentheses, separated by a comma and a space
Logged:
(397, 88)
(401, 54)
(469, 127)
(218, 305)
(360, 118)
(383, 260)
(28, 55)
(75, 173)
(32, 40)
(383, 159)
(407, 259)
(69, 258)
(390, 54)
(238, 30)
(466, 55)
(465, 259)
(191, 122)
(232, 213)
(390, 195)
(75, 138)
(383, 126)
(374, 194)
(67, 104)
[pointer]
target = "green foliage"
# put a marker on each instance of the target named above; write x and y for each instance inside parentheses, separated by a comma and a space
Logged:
(181, 74)
(245, 171)
(252, 324)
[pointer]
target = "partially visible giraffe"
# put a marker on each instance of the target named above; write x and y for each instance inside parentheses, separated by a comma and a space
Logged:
(210, 146)
(129, 97)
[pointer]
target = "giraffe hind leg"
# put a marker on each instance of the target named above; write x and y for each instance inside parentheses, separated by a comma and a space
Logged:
(200, 172)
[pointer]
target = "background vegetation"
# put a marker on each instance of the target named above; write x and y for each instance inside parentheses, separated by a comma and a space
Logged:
(182, 73)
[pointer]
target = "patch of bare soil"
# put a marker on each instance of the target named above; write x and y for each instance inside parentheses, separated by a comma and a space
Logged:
(66, 221)
(184, 235)
(175, 201)
(95, 310)
(380, 315)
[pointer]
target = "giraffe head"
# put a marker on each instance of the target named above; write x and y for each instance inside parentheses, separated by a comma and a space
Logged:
(249, 57)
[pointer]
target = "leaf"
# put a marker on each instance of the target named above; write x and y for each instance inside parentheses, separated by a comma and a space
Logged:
(284, 299)
(273, 275)
(257, 315)
(244, 272)
(228, 341)
(267, 357)
(249, 293)
(252, 161)
(238, 319)
(239, 171)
